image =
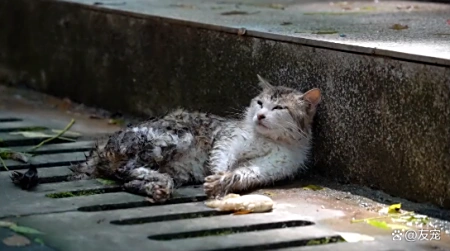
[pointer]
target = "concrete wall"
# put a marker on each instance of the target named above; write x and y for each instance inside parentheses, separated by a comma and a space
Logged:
(383, 123)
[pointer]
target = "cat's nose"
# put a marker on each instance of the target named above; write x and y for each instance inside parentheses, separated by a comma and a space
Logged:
(261, 116)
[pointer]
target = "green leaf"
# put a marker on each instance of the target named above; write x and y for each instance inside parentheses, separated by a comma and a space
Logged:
(6, 224)
(39, 240)
(394, 209)
(24, 230)
(378, 224)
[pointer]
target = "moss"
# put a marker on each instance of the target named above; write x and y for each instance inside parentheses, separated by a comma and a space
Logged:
(73, 194)
(60, 195)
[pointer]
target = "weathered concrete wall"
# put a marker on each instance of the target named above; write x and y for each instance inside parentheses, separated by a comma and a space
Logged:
(383, 123)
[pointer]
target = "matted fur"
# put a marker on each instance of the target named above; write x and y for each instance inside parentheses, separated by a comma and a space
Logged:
(270, 142)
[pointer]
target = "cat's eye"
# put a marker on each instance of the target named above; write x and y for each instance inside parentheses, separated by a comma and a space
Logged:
(278, 107)
(259, 102)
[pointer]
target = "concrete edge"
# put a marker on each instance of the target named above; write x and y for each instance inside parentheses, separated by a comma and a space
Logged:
(272, 36)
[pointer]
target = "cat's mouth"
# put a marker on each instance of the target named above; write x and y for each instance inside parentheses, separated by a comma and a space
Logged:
(260, 124)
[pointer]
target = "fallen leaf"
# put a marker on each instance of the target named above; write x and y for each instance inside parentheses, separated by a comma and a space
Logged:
(6, 224)
(116, 122)
(242, 212)
(399, 27)
(39, 240)
(185, 6)
(16, 241)
(379, 224)
(394, 209)
(286, 23)
(32, 134)
(276, 6)
(369, 8)
(355, 237)
(270, 194)
(94, 116)
(448, 21)
(242, 31)
(24, 230)
(312, 187)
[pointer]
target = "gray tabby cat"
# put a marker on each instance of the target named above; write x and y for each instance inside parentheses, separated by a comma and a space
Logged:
(270, 142)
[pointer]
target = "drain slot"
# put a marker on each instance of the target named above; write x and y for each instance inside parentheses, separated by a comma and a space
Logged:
(230, 230)
(51, 164)
(87, 192)
(170, 217)
(9, 120)
(53, 179)
(23, 129)
(128, 205)
(31, 141)
(287, 244)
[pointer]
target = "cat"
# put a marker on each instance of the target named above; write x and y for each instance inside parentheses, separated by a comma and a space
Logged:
(270, 142)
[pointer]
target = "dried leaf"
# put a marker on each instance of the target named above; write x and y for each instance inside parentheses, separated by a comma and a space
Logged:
(448, 21)
(355, 237)
(242, 31)
(24, 230)
(6, 224)
(276, 6)
(116, 122)
(369, 8)
(16, 241)
(399, 27)
(184, 6)
(313, 187)
(32, 134)
(270, 194)
(94, 116)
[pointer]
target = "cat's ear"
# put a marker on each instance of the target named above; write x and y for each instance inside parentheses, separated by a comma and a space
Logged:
(313, 96)
(263, 83)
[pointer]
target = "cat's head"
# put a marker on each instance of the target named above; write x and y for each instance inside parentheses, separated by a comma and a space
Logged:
(282, 113)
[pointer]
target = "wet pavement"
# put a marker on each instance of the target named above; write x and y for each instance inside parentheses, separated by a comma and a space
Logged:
(331, 208)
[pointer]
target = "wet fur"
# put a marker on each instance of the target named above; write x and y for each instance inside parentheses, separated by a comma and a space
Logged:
(228, 155)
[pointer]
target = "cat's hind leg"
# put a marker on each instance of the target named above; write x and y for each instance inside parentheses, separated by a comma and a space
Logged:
(157, 186)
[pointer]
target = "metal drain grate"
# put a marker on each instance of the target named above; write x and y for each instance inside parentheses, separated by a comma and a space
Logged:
(87, 215)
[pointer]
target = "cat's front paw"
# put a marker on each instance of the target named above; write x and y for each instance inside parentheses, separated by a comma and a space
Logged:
(217, 185)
